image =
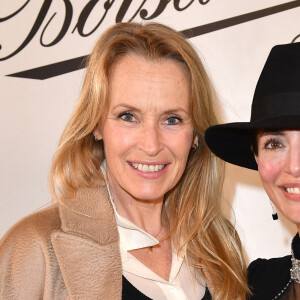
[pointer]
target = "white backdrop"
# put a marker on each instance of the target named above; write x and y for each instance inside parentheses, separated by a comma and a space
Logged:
(33, 112)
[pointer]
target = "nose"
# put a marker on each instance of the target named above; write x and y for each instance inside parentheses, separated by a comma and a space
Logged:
(150, 139)
(293, 159)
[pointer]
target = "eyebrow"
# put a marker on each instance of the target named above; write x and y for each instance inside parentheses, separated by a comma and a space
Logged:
(169, 111)
(126, 106)
(270, 132)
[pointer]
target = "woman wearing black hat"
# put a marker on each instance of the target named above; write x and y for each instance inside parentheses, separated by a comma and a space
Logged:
(270, 143)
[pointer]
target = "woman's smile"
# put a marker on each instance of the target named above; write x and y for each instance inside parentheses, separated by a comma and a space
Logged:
(149, 171)
(292, 191)
(148, 168)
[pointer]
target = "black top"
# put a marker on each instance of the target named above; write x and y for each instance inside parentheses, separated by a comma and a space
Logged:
(130, 292)
(271, 279)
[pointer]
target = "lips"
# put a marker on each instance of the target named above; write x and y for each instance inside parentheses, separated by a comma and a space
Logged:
(149, 168)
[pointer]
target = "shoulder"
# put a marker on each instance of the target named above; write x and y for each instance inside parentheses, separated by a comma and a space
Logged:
(266, 277)
(34, 228)
(262, 267)
(24, 250)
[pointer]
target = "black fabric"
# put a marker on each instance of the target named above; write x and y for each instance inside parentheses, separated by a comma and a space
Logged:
(296, 246)
(130, 292)
(276, 105)
(207, 295)
(268, 277)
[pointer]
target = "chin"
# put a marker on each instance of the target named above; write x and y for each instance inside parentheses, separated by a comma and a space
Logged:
(147, 196)
(293, 215)
(148, 192)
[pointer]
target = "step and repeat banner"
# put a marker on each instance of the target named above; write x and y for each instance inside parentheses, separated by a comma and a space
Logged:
(42, 45)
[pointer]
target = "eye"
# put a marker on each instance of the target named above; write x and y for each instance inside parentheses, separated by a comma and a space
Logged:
(127, 116)
(173, 120)
(273, 144)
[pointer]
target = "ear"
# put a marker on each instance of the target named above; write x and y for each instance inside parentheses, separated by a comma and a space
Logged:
(195, 140)
(97, 132)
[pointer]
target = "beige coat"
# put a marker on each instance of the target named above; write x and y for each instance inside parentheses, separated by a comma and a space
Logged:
(67, 251)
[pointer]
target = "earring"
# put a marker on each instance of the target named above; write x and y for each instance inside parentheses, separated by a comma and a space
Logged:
(195, 146)
(274, 214)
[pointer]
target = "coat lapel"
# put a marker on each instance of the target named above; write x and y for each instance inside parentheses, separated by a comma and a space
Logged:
(87, 246)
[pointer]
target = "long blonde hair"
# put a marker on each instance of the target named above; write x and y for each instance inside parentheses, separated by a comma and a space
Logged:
(199, 230)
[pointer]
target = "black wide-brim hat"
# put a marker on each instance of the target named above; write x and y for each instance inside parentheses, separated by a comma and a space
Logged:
(276, 105)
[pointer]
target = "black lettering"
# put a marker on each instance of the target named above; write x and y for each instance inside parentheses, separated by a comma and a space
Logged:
(296, 38)
(15, 13)
(160, 8)
(143, 12)
(176, 5)
(85, 14)
(65, 27)
(122, 10)
(37, 24)
(203, 2)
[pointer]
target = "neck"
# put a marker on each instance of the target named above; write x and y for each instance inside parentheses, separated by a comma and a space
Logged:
(147, 214)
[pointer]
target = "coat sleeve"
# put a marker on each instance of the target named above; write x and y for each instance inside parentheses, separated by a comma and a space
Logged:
(22, 265)
(26, 259)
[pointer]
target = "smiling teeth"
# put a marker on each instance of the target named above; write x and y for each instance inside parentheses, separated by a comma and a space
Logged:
(294, 190)
(148, 168)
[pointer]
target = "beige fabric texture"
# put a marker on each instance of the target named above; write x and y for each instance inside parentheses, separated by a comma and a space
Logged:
(67, 251)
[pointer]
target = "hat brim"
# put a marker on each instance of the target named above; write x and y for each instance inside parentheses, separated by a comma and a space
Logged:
(232, 141)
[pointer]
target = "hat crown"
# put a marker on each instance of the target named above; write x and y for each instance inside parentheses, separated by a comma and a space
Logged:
(276, 105)
(277, 91)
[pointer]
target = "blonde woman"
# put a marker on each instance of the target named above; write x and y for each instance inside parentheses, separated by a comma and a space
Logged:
(137, 189)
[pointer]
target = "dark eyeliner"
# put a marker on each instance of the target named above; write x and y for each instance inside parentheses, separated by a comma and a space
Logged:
(269, 141)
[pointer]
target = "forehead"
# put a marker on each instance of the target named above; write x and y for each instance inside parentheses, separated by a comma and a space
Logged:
(265, 132)
(148, 66)
(278, 132)
(137, 80)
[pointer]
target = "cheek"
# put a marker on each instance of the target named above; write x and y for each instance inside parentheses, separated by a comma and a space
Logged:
(180, 143)
(117, 139)
(268, 170)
